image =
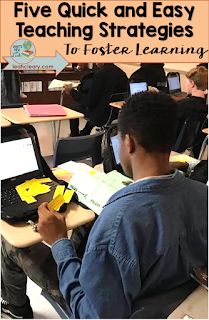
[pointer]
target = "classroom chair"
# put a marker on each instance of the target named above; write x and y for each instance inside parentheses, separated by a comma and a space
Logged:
(188, 135)
(120, 96)
(79, 148)
(161, 305)
(158, 306)
(58, 308)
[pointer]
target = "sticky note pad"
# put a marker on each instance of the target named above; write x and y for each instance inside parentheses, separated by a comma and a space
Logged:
(56, 203)
(59, 190)
(68, 195)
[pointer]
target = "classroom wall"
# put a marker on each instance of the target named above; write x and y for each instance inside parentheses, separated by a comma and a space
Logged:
(44, 130)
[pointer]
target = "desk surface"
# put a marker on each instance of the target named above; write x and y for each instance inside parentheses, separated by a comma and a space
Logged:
(119, 104)
(21, 234)
(19, 116)
(195, 306)
(5, 122)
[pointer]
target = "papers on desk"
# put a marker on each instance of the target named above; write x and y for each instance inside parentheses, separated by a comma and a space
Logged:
(59, 84)
(95, 188)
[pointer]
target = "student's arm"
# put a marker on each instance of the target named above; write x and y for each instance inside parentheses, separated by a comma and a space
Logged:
(97, 287)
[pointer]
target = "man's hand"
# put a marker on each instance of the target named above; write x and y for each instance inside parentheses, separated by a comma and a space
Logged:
(67, 88)
(51, 224)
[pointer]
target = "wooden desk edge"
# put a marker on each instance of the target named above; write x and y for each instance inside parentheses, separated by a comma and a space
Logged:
(32, 237)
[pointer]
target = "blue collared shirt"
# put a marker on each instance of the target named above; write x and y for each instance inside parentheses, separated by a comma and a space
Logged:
(148, 238)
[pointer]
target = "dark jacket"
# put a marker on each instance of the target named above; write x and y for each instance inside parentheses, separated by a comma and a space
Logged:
(106, 81)
(152, 73)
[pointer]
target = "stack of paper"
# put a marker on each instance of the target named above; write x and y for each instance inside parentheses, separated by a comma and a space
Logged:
(59, 84)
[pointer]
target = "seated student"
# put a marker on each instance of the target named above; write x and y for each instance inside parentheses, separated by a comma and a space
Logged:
(94, 94)
(195, 104)
(148, 238)
(152, 73)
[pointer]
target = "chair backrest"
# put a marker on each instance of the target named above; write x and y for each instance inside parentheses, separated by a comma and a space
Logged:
(79, 148)
(120, 96)
(63, 314)
(161, 305)
(187, 134)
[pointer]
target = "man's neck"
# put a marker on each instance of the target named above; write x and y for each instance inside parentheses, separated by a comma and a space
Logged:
(198, 93)
(151, 165)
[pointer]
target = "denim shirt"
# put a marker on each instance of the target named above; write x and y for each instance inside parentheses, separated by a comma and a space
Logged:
(148, 238)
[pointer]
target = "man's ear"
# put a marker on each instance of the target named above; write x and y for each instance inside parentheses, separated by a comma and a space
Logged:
(130, 143)
(192, 83)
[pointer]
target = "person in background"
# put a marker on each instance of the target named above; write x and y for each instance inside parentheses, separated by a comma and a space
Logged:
(93, 96)
(195, 104)
(152, 73)
(146, 241)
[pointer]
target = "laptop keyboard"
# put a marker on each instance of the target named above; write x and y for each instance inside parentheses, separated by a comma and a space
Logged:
(9, 197)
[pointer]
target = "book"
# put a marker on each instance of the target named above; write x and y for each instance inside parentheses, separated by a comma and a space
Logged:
(44, 110)
(94, 188)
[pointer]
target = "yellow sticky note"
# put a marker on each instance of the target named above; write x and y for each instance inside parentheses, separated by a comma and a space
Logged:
(68, 195)
(27, 183)
(37, 188)
(30, 199)
(59, 190)
(22, 192)
(180, 158)
(56, 203)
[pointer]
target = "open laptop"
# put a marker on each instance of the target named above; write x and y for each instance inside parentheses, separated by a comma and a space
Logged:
(20, 161)
(136, 87)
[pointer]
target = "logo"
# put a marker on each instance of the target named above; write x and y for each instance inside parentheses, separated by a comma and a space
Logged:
(22, 51)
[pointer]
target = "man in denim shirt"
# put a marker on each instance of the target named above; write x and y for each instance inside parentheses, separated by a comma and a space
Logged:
(149, 236)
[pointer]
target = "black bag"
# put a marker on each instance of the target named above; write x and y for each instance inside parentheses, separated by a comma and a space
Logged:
(10, 88)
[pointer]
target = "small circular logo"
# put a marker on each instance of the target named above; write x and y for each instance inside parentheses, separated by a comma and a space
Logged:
(22, 51)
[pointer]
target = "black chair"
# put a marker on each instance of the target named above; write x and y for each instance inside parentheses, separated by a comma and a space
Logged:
(79, 148)
(120, 96)
(188, 135)
(58, 308)
(160, 306)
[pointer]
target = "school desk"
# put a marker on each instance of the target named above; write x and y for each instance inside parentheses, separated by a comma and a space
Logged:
(5, 122)
(19, 116)
(21, 234)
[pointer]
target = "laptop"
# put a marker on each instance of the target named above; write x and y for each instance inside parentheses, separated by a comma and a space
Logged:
(136, 87)
(20, 161)
(173, 83)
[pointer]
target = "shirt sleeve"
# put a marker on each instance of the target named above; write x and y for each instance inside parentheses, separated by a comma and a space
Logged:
(99, 287)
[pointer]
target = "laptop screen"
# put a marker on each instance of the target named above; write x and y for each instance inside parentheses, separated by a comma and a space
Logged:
(136, 87)
(17, 157)
(174, 84)
(115, 146)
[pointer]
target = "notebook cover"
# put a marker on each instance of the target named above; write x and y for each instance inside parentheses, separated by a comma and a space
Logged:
(44, 110)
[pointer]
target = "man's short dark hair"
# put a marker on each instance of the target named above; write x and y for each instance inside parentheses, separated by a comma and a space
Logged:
(151, 119)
